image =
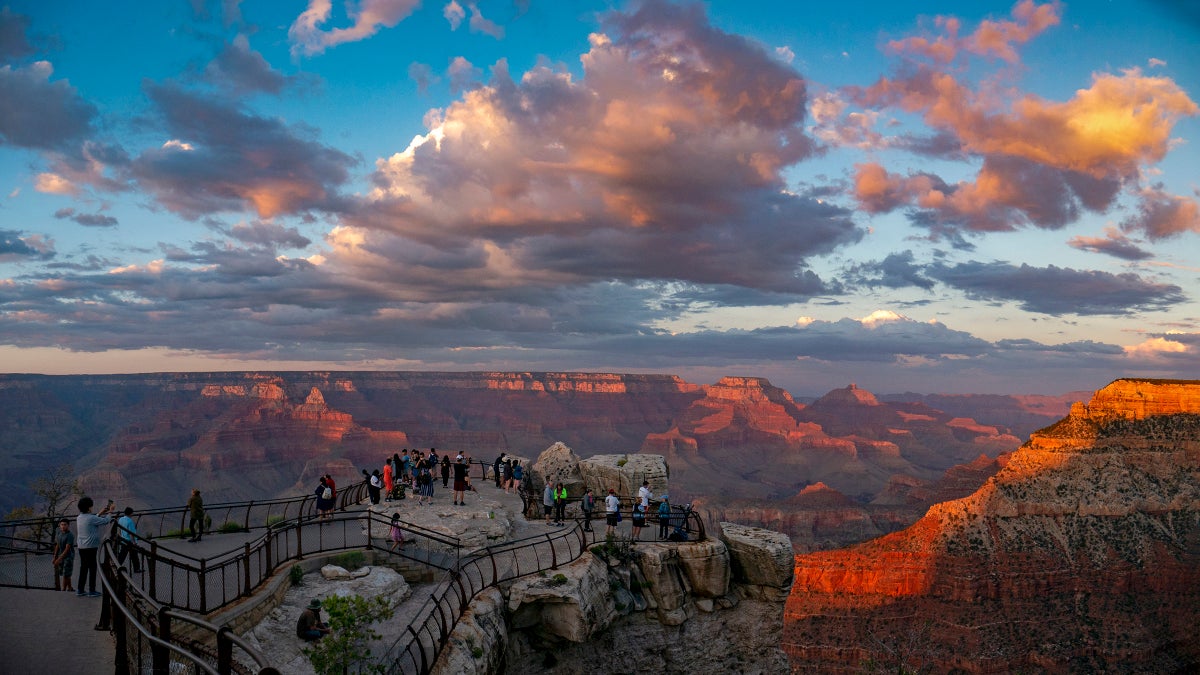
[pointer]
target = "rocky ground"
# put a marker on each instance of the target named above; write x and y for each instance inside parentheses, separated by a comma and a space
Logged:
(489, 516)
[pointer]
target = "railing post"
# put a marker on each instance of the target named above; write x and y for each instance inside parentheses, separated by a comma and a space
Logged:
(421, 647)
(224, 651)
(203, 586)
(270, 540)
(249, 506)
(246, 569)
(118, 625)
(160, 656)
(299, 539)
(152, 568)
(553, 553)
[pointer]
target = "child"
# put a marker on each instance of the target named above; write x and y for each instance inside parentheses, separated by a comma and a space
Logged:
(397, 534)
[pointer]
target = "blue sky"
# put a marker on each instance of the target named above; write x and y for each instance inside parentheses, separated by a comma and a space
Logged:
(911, 199)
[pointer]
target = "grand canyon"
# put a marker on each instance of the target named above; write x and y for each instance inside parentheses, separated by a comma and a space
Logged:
(928, 537)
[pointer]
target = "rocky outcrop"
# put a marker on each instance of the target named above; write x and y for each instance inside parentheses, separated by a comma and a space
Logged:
(649, 608)
(1081, 554)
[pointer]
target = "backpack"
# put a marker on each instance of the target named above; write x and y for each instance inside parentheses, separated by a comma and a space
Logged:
(328, 493)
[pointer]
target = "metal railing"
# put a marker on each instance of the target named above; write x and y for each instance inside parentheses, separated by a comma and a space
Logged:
(146, 606)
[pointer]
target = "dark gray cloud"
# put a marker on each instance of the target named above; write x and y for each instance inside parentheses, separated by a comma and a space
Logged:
(1058, 290)
(86, 219)
(16, 245)
(242, 70)
(224, 158)
(13, 43)
(897, 270)
(38, 113)
(271, 235)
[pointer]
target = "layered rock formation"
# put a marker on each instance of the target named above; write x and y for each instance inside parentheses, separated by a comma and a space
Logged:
(712, 606)
(146, 440)
(1081, 554)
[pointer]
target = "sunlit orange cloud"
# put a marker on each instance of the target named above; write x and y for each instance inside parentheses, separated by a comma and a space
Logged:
(1156, 347)
(1162, 215)
(991, 38)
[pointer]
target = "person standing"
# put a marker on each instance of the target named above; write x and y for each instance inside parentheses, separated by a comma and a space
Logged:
(332, 491)
(446, 473)
(644, 496)
(396, 534)
(587, 505)
(126, 538)
(638, 521)
(548, 501)
(460, 482)
(324, 495)
(64, 556)
(496, 466)
(88, 525)
(664, 517)
(374, 485)
(388, 482)
(560, 504)
(195, 507)
(612, 511)
(514, 481)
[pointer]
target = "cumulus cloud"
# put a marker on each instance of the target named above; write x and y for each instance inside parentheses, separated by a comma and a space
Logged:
(454, 13)
(422, 75)
(1112, 243)
(38, 113)
(897, 270)
(1041, 162)
(309, 38)
(269, 234)
(16, 245)
(673, 141)
(1157, 347)
(243, 70)
(1058, 290)
(225, 158)
(1161, 215)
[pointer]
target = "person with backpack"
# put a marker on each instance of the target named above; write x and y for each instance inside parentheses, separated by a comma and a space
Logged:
(587, 505)
(664, 517)
(514, 481)
(374, 485)
(324, 495)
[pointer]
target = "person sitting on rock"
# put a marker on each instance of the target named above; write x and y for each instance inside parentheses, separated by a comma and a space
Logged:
(309, 627)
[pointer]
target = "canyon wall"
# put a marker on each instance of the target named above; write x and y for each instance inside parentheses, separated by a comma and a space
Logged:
(1081, 554)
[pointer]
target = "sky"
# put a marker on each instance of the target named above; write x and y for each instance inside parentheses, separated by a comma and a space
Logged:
(951, 197)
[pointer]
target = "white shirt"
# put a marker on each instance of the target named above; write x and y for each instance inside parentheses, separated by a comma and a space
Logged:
(612, 504)
(644, 495)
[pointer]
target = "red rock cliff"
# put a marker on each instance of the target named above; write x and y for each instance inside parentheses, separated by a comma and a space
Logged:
(1082, 554)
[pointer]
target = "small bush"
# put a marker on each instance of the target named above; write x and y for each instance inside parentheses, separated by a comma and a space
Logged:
(229, 527)
(275, 519)
(476, 652)
(296, 574)
(558, 580)
(622, 462)
(175, 533)
(350, 560)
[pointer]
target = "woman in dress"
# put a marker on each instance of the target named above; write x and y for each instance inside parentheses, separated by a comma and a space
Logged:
(446, 470)
(396, 534)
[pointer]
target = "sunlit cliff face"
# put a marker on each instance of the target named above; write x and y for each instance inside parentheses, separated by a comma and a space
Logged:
(1103, 503)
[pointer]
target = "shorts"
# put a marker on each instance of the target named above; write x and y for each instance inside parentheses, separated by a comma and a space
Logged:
(611, 519)
(460, 485)
(64, 568)
(546, 509)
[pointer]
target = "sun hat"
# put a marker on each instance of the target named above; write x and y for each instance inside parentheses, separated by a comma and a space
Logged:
(314, 604)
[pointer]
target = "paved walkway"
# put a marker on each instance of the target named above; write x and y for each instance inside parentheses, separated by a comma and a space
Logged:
(52, 632)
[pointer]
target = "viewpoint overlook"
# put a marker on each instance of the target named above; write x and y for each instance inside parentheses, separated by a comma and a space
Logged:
(925, 539)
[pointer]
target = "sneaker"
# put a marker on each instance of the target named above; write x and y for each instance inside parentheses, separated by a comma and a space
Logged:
(94, 594)
(80, 593)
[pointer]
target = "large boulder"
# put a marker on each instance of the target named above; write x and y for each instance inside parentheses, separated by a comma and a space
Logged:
(707, 566)
(625, 473)
(762, 560)
(556, 464)
(571, 603)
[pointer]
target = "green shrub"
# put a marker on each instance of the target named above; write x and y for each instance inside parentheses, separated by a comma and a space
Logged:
(296, 574)
(174, 533)
(229, 527)
(346, 648)
(275, 519)
(350, 560)
(622, 462)
(476, 652)
(558, 580)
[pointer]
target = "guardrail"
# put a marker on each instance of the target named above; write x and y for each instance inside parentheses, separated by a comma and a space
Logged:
(146, 607)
